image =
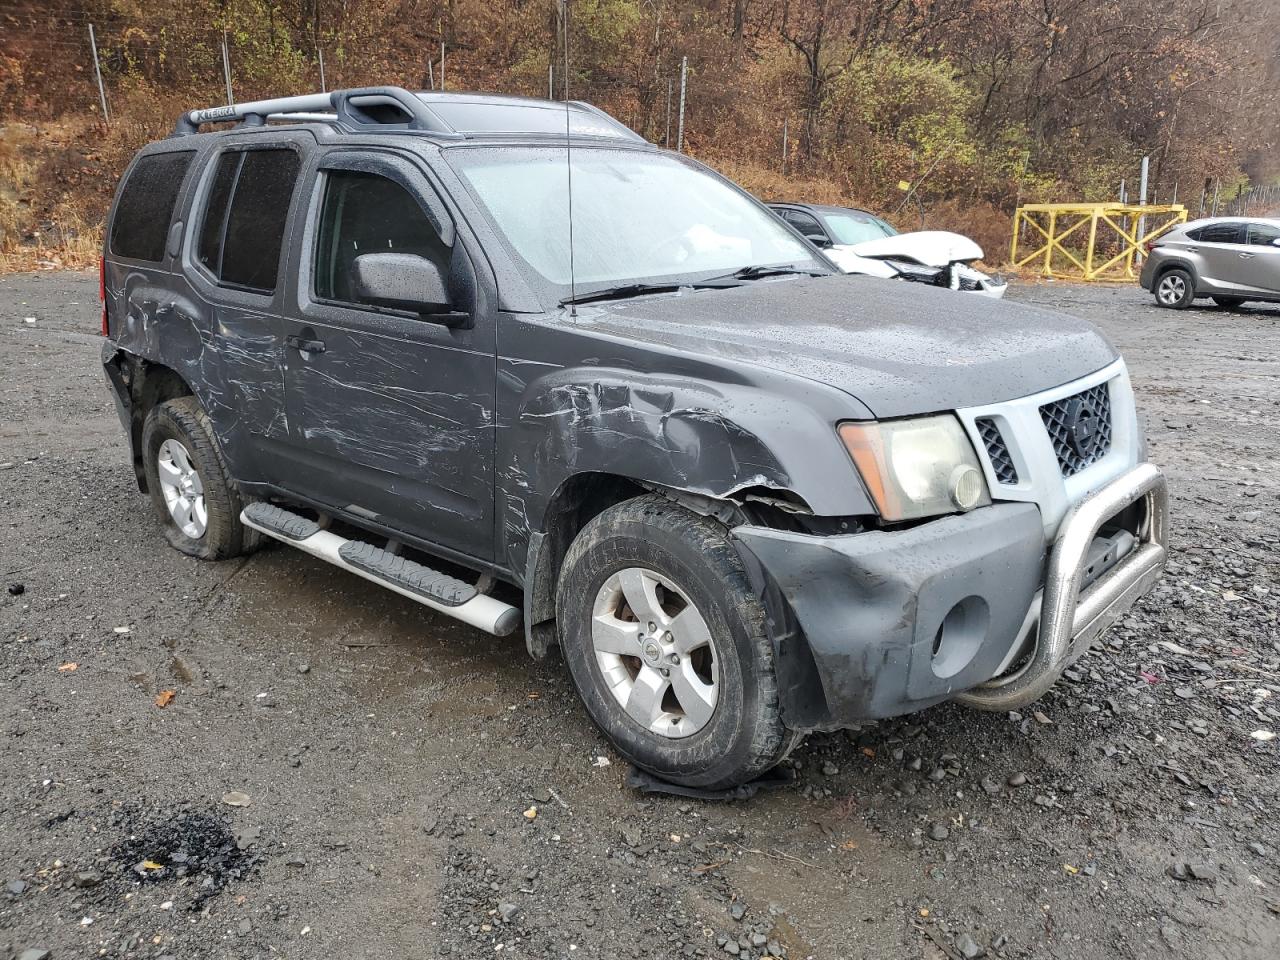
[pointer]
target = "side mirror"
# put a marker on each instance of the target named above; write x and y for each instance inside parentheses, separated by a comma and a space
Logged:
(1276, 242)
(404, 281)
(817, 239)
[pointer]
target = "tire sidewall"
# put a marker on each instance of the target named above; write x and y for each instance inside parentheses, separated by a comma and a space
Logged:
(709, 756)
(177, 420)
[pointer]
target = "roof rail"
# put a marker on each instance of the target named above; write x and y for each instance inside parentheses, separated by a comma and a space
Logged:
(360, 109)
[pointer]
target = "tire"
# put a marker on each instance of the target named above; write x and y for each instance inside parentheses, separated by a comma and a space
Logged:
(1228, 303)
(684, 567)
(1175, 289)
(178, 440)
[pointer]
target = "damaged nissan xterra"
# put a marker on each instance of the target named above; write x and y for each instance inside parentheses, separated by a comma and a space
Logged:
(474, 348)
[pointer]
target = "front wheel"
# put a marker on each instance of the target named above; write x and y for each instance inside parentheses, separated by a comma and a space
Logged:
(1175, 289)
(667, 647)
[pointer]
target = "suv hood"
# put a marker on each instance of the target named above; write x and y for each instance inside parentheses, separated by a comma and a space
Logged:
(901, 349)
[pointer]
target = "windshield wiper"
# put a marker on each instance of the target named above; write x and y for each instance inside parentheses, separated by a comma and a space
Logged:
(757, 271)
(623, 292)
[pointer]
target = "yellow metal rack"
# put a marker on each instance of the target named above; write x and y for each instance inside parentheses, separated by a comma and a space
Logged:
(1095, 254)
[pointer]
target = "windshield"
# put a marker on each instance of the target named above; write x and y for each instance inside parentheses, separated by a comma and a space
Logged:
(854, 227)
(637, 216)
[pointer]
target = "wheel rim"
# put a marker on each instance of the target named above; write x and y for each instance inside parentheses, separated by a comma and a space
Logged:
(182, 488)
(1172, 289)
(656, 653)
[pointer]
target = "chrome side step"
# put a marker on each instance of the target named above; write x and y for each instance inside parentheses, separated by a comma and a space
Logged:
(431, 588)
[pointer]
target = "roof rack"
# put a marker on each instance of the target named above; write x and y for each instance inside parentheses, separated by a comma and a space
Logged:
(359, 109)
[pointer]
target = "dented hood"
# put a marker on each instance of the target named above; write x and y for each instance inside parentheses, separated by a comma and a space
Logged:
(933, 248)
(900, 349)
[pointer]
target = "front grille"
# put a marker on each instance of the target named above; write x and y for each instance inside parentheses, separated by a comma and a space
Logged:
(997, 450)
(1080, 428)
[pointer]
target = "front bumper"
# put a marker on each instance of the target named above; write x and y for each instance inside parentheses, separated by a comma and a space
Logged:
(881, 623)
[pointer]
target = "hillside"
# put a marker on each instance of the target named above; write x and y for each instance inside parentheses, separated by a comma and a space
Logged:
(975, 104)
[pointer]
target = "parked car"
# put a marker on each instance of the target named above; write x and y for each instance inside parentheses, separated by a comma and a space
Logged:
(747, 497)
(1231, 259)
(860, 242)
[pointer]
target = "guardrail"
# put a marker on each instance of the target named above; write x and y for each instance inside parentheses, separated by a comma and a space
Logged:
(1108, 237)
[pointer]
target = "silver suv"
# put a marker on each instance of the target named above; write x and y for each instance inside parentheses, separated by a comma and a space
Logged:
(1231, 259)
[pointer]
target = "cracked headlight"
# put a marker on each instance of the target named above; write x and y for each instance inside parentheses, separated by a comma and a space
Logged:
(916, 468)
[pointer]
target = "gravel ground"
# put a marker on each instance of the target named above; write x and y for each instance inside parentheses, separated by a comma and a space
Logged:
(269, 757)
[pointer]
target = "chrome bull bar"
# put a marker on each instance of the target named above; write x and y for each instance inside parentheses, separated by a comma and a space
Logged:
(1070, 621)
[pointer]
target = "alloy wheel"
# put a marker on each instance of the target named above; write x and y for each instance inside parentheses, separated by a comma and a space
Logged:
(182, 488)
(1172, 289)
(656, 652)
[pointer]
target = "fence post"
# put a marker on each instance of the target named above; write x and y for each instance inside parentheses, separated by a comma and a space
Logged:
(1142, 194)
(320, 58)
(666, 140)
(441, 64)
(1217, 186)
(97, 72)
(226, 68)
(684, 74)
(784, 143)
(551, 81)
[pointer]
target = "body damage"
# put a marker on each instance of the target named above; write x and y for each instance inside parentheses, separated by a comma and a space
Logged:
(928, 256)
(229, 359)
(661, 418)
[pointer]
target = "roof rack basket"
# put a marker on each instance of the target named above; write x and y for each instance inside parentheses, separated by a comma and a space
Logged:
(358, 110)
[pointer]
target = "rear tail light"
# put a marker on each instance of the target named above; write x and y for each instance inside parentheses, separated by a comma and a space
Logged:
(102, 293)
(1149, 246)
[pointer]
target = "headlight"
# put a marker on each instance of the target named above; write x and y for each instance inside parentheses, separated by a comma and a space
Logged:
(916, 468)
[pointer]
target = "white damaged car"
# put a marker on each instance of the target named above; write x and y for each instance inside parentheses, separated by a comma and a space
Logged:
(860, 242)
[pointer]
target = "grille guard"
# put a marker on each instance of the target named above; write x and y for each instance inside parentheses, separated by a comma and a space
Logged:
(1070, 621)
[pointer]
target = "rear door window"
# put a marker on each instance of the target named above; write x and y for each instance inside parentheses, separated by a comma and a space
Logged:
(1263, 234)
(245, 217)
(1219, 233)
(141, 223)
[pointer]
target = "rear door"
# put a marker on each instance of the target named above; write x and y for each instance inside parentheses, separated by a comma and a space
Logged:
(239, 220)
(1218, 247)
(1260, 259)
(390, 413)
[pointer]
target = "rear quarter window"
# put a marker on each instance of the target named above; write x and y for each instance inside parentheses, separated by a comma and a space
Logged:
(141, 223)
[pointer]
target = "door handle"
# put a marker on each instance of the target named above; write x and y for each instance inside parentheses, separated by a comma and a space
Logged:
(304, 345)
(1247, 256)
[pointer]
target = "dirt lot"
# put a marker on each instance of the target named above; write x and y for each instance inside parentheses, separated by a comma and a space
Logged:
(388, 757)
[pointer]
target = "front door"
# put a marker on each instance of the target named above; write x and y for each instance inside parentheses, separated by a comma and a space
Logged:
(390, 414)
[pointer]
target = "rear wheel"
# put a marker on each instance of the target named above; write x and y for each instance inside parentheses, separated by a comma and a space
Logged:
(1228, 303)
(1175, 289)
(667, 647)
(193, 495)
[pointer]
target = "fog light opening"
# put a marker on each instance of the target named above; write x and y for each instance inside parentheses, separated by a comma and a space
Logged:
(960, 636)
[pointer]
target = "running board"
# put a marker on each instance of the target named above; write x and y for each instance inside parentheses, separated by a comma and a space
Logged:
(431, 588)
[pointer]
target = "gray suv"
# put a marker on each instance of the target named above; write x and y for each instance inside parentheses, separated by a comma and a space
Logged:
(1231, 259)
(745, 496)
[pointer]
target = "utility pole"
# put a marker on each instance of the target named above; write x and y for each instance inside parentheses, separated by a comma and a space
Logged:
(684, 77)
(784, 144)
(97, 72)
(226, 68)
(441, 64)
